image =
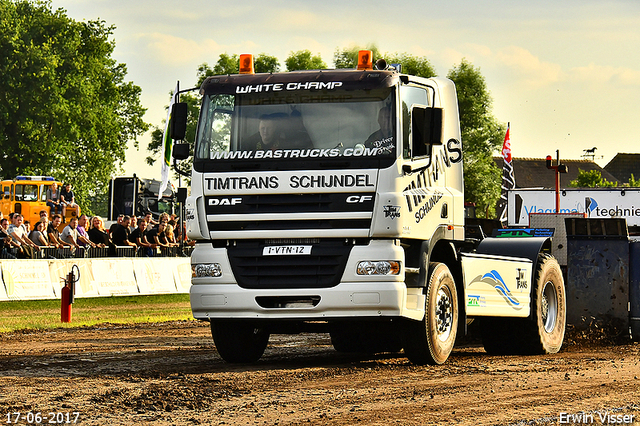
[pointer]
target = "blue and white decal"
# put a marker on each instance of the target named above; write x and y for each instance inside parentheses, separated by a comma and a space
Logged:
(493, 278)
(496, 285)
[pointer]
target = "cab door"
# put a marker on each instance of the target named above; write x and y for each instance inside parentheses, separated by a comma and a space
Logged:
(5, 198)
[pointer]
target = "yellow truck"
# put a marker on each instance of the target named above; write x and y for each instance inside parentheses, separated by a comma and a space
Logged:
(27, 195)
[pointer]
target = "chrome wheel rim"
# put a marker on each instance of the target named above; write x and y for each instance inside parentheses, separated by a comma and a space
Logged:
(444, 314)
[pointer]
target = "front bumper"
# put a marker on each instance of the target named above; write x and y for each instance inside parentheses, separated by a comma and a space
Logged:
(347, 300)
(355, 296)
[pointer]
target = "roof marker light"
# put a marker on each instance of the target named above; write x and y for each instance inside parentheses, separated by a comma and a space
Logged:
(365, 60)
(246, 64)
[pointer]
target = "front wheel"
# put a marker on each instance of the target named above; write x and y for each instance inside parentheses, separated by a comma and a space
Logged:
(239, 342)
(431, 340)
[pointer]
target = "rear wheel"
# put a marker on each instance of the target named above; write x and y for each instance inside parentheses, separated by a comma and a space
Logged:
(431, 340)
(239, 342)
(546, 324)
(543, 331)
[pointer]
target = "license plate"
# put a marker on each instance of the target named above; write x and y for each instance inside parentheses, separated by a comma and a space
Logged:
(286, 250)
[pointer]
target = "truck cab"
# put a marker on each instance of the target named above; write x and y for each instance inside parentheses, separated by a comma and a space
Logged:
(135, 196)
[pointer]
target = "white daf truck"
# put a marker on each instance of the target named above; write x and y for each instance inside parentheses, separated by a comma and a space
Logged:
(332, 201)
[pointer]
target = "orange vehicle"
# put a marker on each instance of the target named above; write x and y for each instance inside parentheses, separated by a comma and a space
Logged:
(28, 195)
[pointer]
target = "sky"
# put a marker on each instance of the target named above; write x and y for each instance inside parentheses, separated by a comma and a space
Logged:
(565, 75)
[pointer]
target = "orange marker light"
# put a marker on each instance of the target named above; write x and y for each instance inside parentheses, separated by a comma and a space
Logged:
(246, 64)
(365, 60)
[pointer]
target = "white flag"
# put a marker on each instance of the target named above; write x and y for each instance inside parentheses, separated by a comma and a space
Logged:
(167, 146)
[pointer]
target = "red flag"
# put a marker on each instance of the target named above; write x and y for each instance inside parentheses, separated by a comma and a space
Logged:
(508, 179)
(506, 147)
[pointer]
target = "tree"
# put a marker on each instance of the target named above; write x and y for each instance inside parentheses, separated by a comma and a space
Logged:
(482, 135)
(266, 63)
(65, 109)
(591, 179)
(303, 60)
(414, 65)
(348, 58)
(226, 65)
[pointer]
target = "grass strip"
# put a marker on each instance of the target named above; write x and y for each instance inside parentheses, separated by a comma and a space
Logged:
(45, 314)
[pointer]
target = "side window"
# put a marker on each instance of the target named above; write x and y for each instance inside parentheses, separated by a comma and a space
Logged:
(43, 192)
(411, 95)
(215, 131)
(31, 192)
(26, 192)
(18, 193)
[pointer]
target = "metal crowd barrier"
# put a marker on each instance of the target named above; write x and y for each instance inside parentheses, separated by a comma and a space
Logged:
(9, 253)
(97, 252)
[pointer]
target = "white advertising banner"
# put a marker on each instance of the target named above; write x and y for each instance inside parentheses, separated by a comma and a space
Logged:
(182, 275)
(27, 279)
(3, 291)
(155, 275)
(43, 279)
(84, 283)
(114, 276)
(600, 203)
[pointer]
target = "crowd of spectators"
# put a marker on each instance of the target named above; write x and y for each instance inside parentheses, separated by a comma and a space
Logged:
(145, 236)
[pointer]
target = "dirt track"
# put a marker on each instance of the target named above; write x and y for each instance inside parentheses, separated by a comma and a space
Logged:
(171, 374)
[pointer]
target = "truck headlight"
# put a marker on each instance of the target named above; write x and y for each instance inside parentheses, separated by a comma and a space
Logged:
(378, 267)
(206, 270)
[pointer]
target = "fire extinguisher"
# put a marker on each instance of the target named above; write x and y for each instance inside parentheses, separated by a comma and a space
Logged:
(67, 293)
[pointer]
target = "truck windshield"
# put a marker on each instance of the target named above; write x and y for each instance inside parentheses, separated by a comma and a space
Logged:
(304, 128)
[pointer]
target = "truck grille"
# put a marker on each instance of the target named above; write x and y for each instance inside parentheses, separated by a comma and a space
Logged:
(274, 212)
(321, 269)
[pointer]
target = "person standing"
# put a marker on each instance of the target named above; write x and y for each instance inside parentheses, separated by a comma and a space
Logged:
(83, 236)
(53, 234)
(139, 237)
(17, 232)
(120, 234)
(6, 241)
(70, 233)
(38, 235)
(97, 234)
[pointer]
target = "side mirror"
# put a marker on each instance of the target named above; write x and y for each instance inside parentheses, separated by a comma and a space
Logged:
(181, 151)
(178, 121)
(181, 195)
(427, 125)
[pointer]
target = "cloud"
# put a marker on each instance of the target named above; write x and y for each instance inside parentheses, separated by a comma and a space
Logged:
(528, 68)
(598, 74)
(292, 19)
(170, 50)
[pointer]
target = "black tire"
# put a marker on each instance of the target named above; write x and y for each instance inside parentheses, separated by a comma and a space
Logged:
(546, 324)
(239, 342)
(431, 340)
(543, 331)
